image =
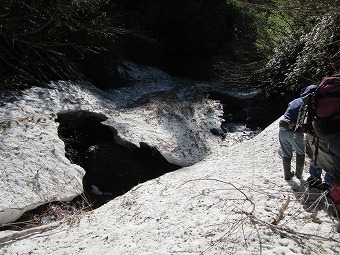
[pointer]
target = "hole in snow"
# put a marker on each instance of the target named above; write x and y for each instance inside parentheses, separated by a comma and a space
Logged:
(111, 168)
(235, 127)
(235, 110)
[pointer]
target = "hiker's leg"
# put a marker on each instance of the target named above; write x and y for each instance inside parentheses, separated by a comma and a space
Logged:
(298, 143)
(315, 172)
(300, 163)
(314, 180)
(287, 153)
(287, 173)
(286, 147)
(299, 147)
(329, 179)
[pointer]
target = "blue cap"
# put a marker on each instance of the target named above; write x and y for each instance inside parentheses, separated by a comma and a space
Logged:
(308, 90)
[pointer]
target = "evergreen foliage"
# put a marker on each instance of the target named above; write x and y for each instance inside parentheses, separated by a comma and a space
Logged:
(304, 58)
(308, 58)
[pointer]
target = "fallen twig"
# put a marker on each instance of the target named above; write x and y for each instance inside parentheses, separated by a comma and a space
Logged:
(280, 213)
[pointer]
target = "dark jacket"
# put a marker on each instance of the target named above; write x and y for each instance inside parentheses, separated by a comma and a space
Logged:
(293, 108)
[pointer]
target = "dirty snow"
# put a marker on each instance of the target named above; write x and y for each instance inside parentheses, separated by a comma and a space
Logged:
(227, 199)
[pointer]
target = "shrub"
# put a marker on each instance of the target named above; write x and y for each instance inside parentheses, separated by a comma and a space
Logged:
(44, 40)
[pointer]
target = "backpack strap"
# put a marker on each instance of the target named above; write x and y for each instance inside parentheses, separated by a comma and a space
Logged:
(316, 143)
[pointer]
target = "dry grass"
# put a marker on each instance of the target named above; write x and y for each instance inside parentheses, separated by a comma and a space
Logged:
(50, 213)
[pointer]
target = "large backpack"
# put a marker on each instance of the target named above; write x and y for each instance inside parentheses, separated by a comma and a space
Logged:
(320, 112)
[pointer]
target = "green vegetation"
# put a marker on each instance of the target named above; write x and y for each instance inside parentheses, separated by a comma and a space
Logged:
(309, 52)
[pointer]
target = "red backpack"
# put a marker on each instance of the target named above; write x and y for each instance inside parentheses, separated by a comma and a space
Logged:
(328, 97)
(320, 111)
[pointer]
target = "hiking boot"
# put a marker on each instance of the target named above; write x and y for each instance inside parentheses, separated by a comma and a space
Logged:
(287, 168)
(314, 182)
(300, 163)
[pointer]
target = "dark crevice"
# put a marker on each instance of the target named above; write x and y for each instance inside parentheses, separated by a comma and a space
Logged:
(111, 168)
(235, 109)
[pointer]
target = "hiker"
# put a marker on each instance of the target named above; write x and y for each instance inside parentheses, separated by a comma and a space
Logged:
(292, 140)
(324, 136)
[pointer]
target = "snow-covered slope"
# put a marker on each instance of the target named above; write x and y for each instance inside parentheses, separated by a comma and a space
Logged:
(233, 202)
(227, 199)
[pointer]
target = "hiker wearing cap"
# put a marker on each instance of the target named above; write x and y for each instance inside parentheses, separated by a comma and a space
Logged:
(292, 140)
